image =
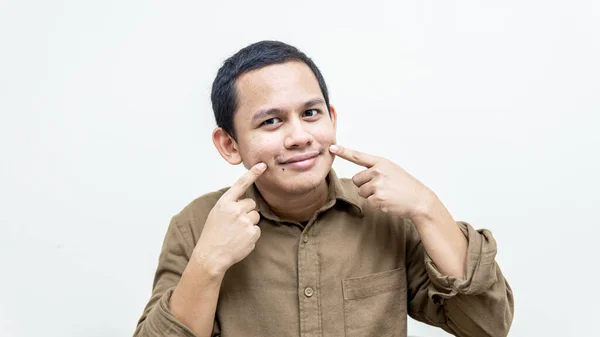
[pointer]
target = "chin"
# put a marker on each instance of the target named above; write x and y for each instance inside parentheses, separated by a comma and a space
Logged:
(303, 182)
(301, 187)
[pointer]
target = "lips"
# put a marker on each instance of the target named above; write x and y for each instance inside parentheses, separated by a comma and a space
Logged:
(301, 157)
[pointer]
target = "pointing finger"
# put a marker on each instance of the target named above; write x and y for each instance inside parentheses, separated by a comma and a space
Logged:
(235, 192)
(354, 156)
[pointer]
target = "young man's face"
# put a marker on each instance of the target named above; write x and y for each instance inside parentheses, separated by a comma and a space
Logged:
(282, 120)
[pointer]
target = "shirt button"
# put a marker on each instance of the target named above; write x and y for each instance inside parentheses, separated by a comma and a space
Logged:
(309, 292)
(305, 238)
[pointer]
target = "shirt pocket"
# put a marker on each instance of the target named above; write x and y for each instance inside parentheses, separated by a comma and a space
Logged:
(375, 304)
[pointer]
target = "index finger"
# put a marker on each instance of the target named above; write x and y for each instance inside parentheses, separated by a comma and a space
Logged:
(235, 192)
(354, 156)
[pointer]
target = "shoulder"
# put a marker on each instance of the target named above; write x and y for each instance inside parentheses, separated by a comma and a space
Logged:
(202, 205)
(190, 220)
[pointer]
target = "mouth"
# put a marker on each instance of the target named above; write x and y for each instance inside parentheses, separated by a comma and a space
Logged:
(303, 161)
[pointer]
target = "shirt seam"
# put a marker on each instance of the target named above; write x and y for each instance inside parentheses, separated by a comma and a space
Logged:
(182, 236)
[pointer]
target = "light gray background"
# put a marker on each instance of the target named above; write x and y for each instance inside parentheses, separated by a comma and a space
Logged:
(106, 120)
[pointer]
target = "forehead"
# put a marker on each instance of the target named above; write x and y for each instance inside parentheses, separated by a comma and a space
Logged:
(283, 86)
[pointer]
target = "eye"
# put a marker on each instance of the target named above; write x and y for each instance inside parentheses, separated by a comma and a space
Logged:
(270, 121)
(311, 113)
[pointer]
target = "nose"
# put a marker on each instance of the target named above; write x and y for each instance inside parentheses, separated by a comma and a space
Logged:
(297, 135)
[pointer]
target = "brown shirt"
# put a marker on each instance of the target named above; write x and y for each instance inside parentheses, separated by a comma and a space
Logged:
(350, 271)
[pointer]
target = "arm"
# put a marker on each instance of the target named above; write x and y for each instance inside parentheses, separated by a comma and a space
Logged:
(194, 300)
(442, 239)
(480, 304)
(157, 318)
(453, 279)
(188, 280)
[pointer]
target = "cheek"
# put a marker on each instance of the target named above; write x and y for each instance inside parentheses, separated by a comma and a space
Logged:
(325, 136)
(258, 149)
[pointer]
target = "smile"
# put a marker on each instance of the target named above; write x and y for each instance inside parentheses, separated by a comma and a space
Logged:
(304, 162)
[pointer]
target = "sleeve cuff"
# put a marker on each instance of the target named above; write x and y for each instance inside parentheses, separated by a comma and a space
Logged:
(161, 322)
(481, 267)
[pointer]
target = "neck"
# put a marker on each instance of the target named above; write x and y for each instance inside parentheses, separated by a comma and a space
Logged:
(296, 207)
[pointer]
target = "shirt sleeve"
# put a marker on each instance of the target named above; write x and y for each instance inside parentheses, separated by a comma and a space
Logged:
(480, 305)
(157, 319)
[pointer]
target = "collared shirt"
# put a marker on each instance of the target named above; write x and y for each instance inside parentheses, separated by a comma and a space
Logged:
(351, 271)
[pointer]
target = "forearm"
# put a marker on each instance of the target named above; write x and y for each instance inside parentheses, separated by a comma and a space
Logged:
(194, 300)
(441, 238)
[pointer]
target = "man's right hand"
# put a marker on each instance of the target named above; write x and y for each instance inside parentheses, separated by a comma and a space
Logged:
(230, 232)
(229, 235)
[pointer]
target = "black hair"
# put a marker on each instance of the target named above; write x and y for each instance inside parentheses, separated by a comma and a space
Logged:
(257, 55)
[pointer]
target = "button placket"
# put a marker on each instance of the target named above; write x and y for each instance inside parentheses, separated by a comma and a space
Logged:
(308, 278)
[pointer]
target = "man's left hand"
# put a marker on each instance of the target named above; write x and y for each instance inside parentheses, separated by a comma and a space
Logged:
(387, 186)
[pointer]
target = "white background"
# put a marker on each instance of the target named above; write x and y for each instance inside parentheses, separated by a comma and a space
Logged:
(106, 120)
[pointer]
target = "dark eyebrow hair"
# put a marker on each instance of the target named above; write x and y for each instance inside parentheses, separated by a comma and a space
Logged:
(260, 114)
(313, 102)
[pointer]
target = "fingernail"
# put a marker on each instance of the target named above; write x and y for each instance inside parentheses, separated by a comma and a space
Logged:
(261, 166)
(334, 148)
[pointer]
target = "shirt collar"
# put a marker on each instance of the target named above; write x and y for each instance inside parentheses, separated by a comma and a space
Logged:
(339, 189)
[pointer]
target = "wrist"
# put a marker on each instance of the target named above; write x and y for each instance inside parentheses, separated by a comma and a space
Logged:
(212, 265)
(426, 209)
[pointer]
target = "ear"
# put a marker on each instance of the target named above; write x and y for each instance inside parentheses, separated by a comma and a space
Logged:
(333, 115)
(227, 146)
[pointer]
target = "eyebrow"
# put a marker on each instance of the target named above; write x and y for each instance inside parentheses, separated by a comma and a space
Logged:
(260, 114)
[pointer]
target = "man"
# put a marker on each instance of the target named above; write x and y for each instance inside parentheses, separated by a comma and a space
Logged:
(291, 250)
